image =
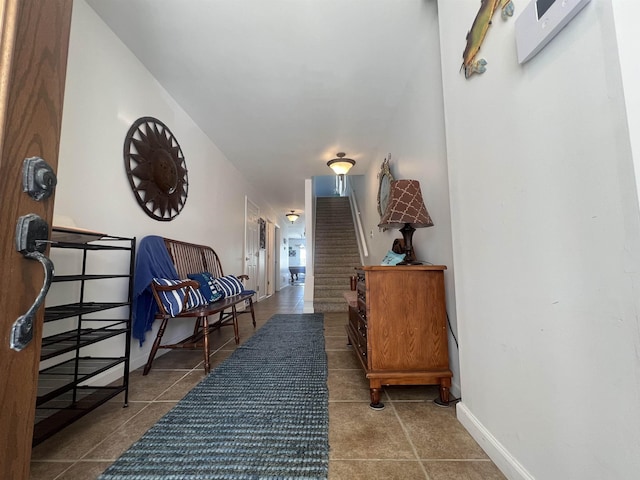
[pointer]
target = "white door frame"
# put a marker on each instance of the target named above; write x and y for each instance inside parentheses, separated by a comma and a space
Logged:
(277, 241)
(251, 244)
(271, 255)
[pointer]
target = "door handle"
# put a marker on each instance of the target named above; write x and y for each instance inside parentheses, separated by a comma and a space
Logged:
(32, 234)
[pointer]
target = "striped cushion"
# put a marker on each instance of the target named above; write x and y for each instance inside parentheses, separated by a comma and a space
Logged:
(230, 285)
(208, 287)
(174, 301)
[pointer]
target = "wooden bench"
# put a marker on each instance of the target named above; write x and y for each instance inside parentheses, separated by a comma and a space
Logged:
(189, 258)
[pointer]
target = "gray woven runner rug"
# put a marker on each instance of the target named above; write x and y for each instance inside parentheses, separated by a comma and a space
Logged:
(261, 414)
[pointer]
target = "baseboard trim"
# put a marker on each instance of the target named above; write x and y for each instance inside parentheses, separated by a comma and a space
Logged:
(455, 391)
(506, 462)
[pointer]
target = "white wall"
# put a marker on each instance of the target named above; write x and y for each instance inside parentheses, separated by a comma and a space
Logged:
(415, 138)
(107, 89)
(546, 243)
(543, 219)
(325, 185)
(626, 13)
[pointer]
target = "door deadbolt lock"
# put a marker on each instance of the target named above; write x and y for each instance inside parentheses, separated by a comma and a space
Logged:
(38, 178)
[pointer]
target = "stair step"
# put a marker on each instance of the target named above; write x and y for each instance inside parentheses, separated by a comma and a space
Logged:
(336, 229)
(346, 273)
(333, 244)
(326, 307)
(348, 266)
(341, 238)
(331, 293)
(335, 267)
(336, 254)
(342, 282)
(336, 246)
(328, 254)
(335, 270)
(336, 260)
(342, 233)
(332, 200)
(328, 277)
(339, 302)
(335, 295)
(337, 242)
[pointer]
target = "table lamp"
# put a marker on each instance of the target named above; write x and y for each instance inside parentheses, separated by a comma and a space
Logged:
(406, 211)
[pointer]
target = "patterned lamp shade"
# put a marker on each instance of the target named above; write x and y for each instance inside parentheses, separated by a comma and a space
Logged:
(405, 206)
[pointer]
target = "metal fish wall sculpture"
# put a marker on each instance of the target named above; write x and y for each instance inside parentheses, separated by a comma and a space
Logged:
(478, 31)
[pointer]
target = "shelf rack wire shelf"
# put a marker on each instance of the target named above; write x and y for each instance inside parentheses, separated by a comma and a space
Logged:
(66, 389)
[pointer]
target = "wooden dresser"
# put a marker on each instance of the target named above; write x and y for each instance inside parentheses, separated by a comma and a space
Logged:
(398, 328)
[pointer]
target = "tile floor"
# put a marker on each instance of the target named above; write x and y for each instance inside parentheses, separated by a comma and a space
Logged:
(412, 438)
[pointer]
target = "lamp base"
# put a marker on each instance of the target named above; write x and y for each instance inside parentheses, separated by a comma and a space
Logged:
(409, 263)
(407, 236)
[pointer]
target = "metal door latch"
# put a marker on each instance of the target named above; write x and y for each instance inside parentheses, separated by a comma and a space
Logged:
(32, 233)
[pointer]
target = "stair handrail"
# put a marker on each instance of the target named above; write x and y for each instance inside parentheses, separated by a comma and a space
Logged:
(355, 211)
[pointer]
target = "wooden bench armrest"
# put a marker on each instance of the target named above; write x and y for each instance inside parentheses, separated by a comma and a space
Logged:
(155, 288)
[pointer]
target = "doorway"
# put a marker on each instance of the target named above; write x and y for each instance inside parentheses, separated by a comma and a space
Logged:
(252, 245)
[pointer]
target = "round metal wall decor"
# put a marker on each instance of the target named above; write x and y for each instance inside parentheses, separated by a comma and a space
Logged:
(156, 168)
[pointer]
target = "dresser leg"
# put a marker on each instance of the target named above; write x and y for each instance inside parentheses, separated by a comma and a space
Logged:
(444, 393)
(376, 404)
(443, 400)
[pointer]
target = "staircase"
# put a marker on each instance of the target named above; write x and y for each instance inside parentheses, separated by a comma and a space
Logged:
(336, 253)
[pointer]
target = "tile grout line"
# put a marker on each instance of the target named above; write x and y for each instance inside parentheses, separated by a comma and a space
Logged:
(74, 465)
(149, 402)
(406, 433)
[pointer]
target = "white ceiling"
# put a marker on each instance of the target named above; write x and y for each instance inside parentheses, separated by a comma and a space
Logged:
(280, 86)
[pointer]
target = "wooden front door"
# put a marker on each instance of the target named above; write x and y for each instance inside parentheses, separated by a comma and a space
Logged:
(34, 37)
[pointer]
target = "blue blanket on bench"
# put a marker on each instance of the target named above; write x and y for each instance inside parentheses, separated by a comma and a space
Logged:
(152, 260)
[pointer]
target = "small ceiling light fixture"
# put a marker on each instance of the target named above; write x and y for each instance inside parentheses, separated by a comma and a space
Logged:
(292, 216)
(341, 165)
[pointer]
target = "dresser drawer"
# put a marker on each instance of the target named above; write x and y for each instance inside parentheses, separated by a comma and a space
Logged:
(397, 327)
(361, 348)
(362, 309)
(359, 342)
(361, 345)
(362, 302)
(361, 327)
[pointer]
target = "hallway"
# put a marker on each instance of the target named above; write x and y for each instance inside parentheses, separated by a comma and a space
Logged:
(412, 438)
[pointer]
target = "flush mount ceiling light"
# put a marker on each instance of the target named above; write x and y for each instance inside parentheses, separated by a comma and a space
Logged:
(341, 165)
(292, 216)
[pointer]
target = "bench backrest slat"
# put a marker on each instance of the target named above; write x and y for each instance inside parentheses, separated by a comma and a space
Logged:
(191, 258)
